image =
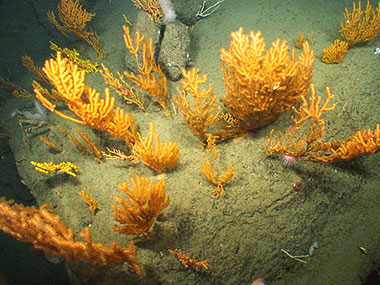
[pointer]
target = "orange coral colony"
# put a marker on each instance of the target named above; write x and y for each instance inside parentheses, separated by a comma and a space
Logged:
(137, 214)
(201, 112)
(335, 52)
(157, 156)
(150, 76)
(360, 26)
(304, 138)
(261, 84)
(74, 19)
(211, 175)
(84, 101)
(187, 262)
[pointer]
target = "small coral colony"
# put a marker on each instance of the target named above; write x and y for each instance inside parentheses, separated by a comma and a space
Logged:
(261, 84)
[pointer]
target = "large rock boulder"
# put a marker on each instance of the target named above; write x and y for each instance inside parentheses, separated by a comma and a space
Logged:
(174, 50)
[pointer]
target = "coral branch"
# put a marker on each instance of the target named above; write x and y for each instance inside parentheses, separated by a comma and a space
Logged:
(154, 84)
(47, 232)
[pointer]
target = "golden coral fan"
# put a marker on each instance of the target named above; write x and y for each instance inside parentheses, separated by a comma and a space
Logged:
(335, 52)
(86, 102)
(158, 157)
(74, 19)
(154, 84)
(304, 138)
(359, 25)
(46, 231)
(202, 111)
(261, 85)
(146, 201)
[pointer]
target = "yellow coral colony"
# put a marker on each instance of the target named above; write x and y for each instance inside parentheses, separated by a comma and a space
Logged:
(138, 213)
(76, 58)
(360, 26)
(202, 111)
(85, 102)
(46, 231)
(209, 173)
(261, 84)
(74, 19)
(158, 157)
(335, 52)
(48, 167)
(155, 85)
(304, 139)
